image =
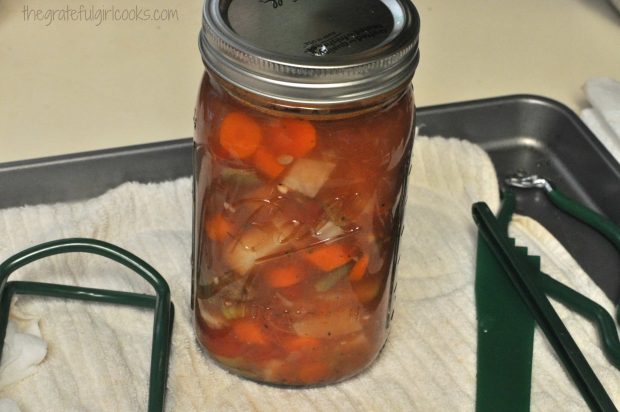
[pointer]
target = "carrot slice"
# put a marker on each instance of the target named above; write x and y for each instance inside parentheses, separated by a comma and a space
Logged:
(328, 257)
(249, 332)
(313, 372)
(359, 269)
(267, 163)
(294, 292)
(367, 289)
(218, 227)
(221, 345)
(296, 343)
(240, 135)
(283, 277)
(293, 136)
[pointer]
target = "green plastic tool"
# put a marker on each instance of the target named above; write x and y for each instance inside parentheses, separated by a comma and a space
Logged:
(574, 300)
(590, 310)
(160, 302)
(588, 216)
(529, 285)
(505, 330)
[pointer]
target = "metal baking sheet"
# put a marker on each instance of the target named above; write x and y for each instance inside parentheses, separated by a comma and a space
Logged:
(524, 133)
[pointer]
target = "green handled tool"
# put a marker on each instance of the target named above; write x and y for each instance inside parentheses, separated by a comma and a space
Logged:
(160, 303)
(588, 216)
(505, 330)
(527, 282)
(496, 248)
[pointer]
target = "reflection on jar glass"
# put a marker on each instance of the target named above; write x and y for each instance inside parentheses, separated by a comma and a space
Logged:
(300, 164)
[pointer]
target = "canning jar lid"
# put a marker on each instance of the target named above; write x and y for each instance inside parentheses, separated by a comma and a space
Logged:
(311, 51)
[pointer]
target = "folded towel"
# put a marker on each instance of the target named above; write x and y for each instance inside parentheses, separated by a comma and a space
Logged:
(603, 118)
(98, 355)
(8, 405)
(23, 348)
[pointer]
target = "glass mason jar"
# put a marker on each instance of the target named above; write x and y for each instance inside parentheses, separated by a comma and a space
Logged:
(303, 138)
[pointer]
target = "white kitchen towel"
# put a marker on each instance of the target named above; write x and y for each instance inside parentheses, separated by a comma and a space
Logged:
(603, 118)
(98, 355)
(23, 348)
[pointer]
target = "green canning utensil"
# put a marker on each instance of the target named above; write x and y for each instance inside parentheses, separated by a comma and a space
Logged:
(588, 216)
(533, 286)
(505, 329)
(596, 221)
(160, 302)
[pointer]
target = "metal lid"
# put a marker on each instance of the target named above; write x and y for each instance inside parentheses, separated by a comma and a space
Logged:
(311, 51)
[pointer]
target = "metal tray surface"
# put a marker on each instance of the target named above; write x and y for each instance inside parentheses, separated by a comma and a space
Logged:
(521, 133)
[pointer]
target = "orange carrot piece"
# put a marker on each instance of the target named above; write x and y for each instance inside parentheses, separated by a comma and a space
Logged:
(313, 372)
(283, 277)
(293, 137)
(240, 134)
(328, 257)
(267, 163)
(249, 332)
(218, 227)
(366, 290)
(359, 269)
(296, 343)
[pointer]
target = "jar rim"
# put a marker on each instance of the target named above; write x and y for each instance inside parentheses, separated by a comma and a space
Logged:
(354, 65)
